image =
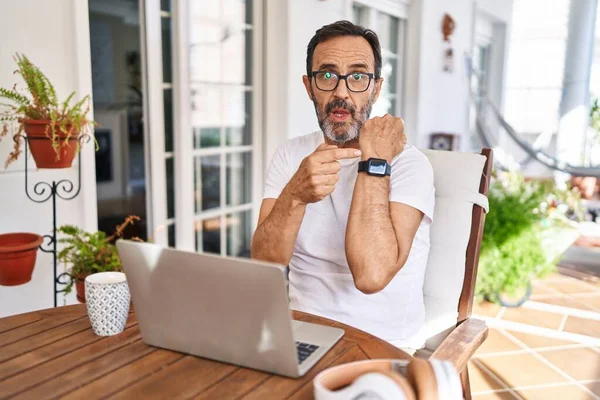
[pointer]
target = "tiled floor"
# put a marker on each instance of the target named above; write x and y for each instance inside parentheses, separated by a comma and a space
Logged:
(559, 361)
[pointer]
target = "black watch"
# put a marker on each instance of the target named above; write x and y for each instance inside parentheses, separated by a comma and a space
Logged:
(375, 167)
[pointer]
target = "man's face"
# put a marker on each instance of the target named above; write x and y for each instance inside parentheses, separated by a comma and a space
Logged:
(341, 112)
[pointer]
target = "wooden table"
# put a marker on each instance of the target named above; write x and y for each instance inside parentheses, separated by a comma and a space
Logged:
(54, 353)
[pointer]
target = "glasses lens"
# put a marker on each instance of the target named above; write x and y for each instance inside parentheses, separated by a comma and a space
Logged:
(326, 80)
(358, 82)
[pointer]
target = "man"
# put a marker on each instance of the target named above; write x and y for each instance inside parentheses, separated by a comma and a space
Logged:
(356, 242)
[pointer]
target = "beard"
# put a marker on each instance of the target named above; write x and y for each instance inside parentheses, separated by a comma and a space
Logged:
(347, 131)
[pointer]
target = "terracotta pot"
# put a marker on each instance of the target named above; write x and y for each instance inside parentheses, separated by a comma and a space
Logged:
(586, 185)
(41, 146)
(18, 252)
(80, 288)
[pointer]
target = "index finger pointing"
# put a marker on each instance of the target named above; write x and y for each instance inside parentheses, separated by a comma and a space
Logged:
(337, 154)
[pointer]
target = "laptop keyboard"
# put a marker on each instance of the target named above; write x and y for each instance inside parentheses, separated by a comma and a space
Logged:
(304, 350)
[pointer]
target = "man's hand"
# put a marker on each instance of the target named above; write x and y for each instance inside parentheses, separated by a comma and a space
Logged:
(382, 137)
(318, 173)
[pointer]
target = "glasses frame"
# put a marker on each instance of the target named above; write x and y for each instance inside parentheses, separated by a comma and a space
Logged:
(343, 77)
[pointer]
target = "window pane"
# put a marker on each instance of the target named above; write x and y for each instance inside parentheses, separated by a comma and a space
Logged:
(239, 178)
(206, 116)
(165, 5)
(221, 55)
(239, 234)
(168, 105)
(208, 235)
(388, 32)
(207, 137)
(170, 188)
(166, 49)
(207, 186)
(237, 53)
(237, 117)
(236, 11)
(171, 233)
(205, 52)
(203, 10)
(360, 15)
(389, 71)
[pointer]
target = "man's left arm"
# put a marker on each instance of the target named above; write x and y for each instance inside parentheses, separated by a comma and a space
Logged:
(380, 232)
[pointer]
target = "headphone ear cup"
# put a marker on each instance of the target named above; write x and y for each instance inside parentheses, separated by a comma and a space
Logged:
(403, 384)
(421, 376)
(448, 380)
(377, 385)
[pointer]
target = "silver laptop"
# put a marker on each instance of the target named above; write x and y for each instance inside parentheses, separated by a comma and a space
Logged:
(227, 309)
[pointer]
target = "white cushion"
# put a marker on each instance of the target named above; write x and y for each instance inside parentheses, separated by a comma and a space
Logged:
(456, 179)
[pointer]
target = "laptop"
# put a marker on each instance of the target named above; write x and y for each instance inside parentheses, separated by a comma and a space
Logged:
(227, 309)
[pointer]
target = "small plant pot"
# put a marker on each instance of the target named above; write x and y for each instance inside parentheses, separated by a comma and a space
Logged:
(514, 300)
(586, 186)
(43, 153)
(80, 287)
(18, 252)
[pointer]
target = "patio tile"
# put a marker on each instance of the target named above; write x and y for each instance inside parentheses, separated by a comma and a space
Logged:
(486, 308)
(567, 301)
(594, 387)
(495, 396)
(581, 364)
(583, 326)
(521, 370)
(571, 392)
(592, 302)
(538, 288)
(536, 341)
(480, 380)
(533, 317)
(570, 285)
(496, 342)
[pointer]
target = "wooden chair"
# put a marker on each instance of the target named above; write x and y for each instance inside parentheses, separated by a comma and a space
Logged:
(452, 334)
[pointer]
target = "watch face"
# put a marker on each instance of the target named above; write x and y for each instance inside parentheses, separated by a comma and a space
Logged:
(377, 167)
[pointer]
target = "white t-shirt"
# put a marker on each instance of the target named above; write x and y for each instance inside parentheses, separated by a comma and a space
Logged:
(320, 281)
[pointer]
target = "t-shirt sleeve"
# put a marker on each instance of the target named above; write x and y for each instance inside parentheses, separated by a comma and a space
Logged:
(277, 174)
(412, 182)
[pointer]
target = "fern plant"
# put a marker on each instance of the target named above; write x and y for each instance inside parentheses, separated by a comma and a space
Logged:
(39, 102)
(89, 253)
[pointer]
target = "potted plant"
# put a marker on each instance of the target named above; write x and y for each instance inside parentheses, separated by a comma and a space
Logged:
(18, 252)
(526, 220)
(587, 185)
(53, 129)
(88, 253)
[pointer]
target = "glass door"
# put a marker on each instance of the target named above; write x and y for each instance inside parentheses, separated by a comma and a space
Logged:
(209, 153)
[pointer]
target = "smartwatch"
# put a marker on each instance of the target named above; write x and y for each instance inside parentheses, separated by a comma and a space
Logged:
(375, 167)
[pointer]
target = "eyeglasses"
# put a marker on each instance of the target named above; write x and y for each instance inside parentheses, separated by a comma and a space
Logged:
(355, 82)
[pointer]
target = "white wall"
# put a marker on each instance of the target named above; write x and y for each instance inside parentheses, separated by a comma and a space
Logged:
(443, 97)
(55, 36)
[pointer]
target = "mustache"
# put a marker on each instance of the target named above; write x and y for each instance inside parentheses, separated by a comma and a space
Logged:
(340, 103)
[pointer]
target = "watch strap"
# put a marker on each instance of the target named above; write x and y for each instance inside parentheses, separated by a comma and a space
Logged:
(363, 166)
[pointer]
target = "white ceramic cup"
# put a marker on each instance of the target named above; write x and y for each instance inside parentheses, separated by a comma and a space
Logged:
(107, 299)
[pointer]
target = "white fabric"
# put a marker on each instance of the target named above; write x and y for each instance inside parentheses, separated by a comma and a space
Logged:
(457, 178)
(320, 281)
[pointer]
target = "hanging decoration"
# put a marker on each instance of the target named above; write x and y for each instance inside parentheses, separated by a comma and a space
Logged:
(448, 26)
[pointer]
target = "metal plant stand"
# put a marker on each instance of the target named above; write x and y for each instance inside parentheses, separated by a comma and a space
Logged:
(44, 191)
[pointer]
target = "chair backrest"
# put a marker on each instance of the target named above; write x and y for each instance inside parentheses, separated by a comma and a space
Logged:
(461, 183)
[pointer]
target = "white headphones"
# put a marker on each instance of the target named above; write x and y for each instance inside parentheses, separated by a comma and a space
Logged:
(417, 379)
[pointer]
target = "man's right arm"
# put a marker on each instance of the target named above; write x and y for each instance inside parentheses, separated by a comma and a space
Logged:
(278, 225)
(280, 219)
